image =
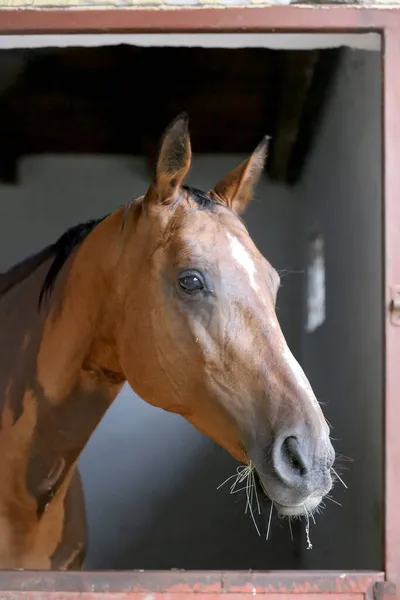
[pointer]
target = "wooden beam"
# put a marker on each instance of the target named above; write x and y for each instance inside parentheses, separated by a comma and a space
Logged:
(324, 73)
(298, 73)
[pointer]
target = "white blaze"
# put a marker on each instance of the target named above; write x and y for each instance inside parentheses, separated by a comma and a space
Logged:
(243, 258)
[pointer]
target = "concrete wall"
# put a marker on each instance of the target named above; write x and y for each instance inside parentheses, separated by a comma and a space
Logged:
(150, 479)
(342, 199)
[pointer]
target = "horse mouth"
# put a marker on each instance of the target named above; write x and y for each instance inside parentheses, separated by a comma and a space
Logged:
(298, 510)
(307, 507)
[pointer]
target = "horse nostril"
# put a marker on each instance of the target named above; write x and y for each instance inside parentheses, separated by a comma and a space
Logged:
(290, 462)
(292, 454)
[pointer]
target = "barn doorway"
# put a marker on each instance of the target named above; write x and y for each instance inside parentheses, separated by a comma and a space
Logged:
(80, 127)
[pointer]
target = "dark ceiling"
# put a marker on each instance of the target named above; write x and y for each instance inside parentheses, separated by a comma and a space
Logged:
(119, 99)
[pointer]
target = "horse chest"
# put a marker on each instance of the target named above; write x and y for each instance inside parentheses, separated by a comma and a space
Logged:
(33, 490)
(28, 540)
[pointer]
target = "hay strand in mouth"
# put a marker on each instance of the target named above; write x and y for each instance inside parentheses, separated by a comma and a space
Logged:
(309, 544)
(250, 487)
(245, 473)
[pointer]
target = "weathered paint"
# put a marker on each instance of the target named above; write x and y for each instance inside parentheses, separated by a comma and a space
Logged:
(274, 19)
(134, 596)
(172, 4)
(179, 585)
(391, 129)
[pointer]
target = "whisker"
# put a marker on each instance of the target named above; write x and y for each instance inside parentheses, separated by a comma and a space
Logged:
(347, 469)
(340, 479)
(344, 457)
(332, 500)
(320, 509)
(290, 528)
(285, 272)
(324, 403)
(269, 521)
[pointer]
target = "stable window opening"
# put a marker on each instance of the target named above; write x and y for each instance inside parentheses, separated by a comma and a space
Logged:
(80, 132)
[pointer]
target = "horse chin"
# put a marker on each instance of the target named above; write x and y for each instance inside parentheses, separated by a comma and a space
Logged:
(298, 510)
(307, 507)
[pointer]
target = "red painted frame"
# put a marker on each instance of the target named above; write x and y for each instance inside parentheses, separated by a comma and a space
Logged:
(181, 585)
(235, 586)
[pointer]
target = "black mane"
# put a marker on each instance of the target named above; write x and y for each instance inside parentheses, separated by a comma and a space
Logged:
(23, 269)
(74, 236)
(66, 244)
(62, 249)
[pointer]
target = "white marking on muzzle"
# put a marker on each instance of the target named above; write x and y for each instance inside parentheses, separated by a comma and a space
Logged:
(243, 258)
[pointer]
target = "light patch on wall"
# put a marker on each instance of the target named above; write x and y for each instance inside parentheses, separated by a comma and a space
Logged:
(315, 283)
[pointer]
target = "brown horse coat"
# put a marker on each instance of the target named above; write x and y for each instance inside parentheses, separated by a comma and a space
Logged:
(170, 294)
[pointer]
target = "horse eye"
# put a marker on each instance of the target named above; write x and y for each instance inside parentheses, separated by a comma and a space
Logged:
(191, 282)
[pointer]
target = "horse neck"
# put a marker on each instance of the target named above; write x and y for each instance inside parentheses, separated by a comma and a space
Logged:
(78, 334)
(61, 371)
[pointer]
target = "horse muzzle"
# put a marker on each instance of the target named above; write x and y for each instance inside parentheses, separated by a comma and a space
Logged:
(297, 473)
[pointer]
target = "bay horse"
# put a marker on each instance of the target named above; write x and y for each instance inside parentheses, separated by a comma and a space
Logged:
(170, 294)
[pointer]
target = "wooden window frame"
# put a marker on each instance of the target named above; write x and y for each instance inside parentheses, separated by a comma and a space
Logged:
(310, 585)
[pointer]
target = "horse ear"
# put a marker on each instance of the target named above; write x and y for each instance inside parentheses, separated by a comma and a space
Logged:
(237, 187)
(173, 161)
